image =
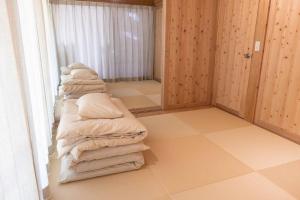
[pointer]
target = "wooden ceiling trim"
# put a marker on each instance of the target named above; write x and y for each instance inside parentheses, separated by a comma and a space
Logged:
(157, 3)
(131, 2)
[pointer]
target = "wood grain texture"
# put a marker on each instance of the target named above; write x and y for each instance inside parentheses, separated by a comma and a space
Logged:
(158, 2)
(235, 38)
(256, 62)
(132, 2)
(278, 105)
(190, 49)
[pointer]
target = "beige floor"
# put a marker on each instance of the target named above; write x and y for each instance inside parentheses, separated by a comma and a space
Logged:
(204, 154)
(137, 94)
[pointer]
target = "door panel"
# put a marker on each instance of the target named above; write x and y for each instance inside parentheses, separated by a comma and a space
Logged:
(235, 42)
(278, 106)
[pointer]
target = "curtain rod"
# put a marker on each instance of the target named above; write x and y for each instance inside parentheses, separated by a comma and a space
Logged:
(131, 2)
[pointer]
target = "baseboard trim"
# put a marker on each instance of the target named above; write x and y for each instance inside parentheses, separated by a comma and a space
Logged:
(278, 131)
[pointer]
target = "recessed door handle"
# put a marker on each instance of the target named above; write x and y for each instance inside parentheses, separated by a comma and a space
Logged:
(247, 55)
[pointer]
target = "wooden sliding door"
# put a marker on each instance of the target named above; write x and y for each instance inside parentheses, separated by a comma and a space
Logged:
(236, 35)
(278, 105)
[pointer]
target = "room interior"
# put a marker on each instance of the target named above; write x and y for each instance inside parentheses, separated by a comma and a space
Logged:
(150, 99)
(122, 43)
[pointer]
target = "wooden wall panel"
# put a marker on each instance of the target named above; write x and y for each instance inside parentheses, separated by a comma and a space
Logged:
(279, 94)
(132, 2)
(158, 3)
(237, 21)
(190, 49)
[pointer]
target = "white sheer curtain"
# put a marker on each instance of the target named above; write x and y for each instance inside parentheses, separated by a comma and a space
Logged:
(48, 31)
(17, 174)
(116, 40)
(27, 91)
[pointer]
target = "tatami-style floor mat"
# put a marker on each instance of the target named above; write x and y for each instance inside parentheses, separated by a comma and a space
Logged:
(287, 176)
(248, 187)
(202, 154)
(256, 147)
(140, 184)
(135, 102)
(211, 120)
(137, 94)
(166, 126)
(193, 161)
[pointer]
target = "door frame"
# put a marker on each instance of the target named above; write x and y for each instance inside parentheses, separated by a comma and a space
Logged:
(255, 66)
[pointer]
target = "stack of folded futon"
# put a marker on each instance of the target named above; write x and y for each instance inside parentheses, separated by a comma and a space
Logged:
(98, 136)
(78, 79)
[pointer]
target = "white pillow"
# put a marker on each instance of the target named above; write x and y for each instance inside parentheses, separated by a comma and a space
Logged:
(85, 74)
(92, 71)
(65, 70)
(78, 66)
(97, 106)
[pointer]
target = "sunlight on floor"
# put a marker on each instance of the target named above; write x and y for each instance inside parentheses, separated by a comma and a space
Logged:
(194, 154)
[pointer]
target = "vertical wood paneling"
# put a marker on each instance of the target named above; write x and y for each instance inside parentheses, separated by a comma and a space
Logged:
(190, 49)
(235, 37)
(256, 62)
(279, 94)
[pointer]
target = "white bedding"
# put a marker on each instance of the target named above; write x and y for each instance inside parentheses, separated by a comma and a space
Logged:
(107, 152)
(86, 74)
(67, 80)
(65, 70)
(97, 106)
(78, 135)
(78, 95)
(78, 66)
(126, 163)
(93, 144)
(80, 154)
(71, 128)
(77, 89)
(104, 163)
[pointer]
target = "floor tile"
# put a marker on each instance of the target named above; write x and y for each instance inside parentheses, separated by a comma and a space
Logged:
(135, 185)
(202, 154)
(138, 84)
(248, 187)
(211, 119)
(155, 98)
(141, 101)
(149, 86)
(149, 89)
(165, 127)
(256, 147)
(188, 162)
(121, 92)
(286, 176)
(116, 85)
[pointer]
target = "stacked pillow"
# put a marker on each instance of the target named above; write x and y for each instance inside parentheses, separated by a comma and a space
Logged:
(66, 70)
(97, 106)
(98, 136)
(78, 79)
(85, 74)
